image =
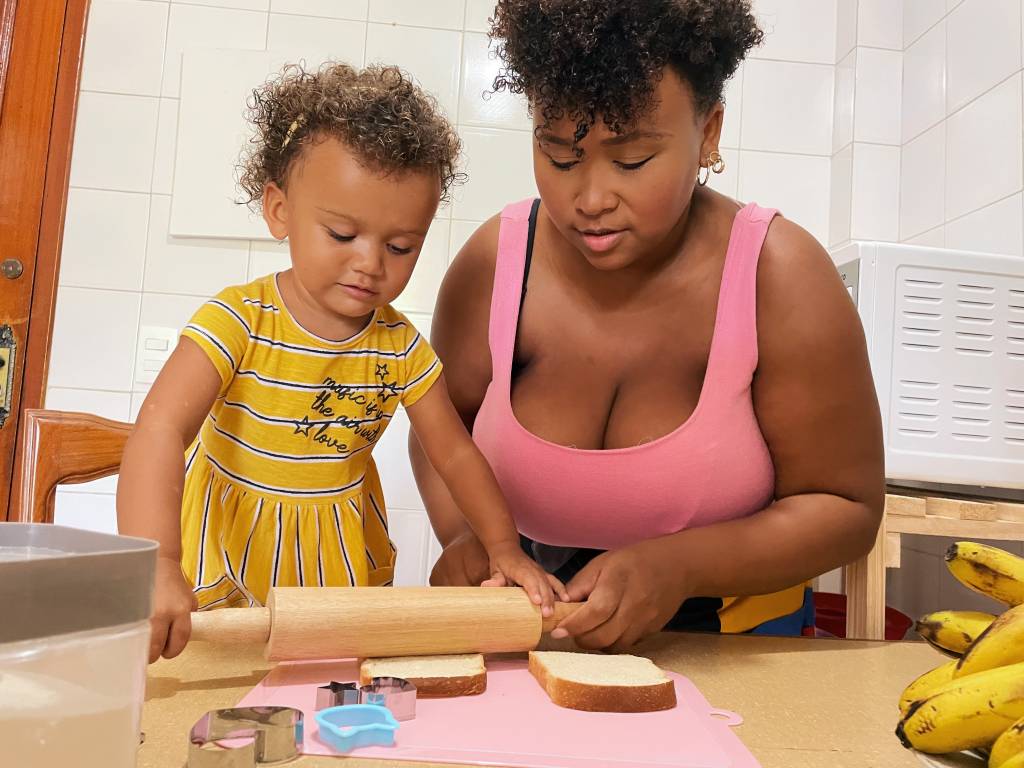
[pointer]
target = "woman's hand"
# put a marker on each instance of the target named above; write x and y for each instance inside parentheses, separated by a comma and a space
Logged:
(463, 563)
(173, 603)
(630, 593)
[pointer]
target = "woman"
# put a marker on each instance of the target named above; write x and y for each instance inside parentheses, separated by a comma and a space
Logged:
(672, 388)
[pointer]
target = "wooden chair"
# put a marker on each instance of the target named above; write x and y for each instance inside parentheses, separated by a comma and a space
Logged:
(64, 447)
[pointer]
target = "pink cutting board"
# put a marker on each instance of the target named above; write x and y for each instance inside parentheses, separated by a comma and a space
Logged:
(514, 723)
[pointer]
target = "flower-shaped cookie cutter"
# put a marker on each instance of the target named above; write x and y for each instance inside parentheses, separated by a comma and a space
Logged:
(353, 726)
(396, 694)
(243, 737)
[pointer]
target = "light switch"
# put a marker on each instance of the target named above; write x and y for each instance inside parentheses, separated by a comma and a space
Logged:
(154, 347)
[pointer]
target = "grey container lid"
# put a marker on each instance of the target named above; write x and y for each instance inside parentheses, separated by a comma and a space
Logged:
(72, 580)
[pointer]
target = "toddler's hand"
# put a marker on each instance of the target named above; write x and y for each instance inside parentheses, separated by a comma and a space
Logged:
(173, 603)
(510, 565)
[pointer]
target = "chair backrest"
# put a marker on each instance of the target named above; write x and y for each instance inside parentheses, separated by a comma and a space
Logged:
(64, 447)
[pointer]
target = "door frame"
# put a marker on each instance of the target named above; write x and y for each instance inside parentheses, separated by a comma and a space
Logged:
(45, 51)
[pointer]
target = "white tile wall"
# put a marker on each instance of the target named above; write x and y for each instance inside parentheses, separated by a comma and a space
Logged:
(104, 239)
(316, 39)
(879, 88)
(477, 105)
(787, 107)
(477, 14)
(492, 153)
(924, 82)
(122, 268)
(919, 16)
(120, 132)
(107, 48)
(880, 24)
(94, 339)
(842, 108)
(188, 264)
(875, 208)
(996, 228)
(797, 30)
(444, 14)
(331, 9)
(984, 48)
(798, 185)
(984, 138)
(841, 196)
(923, 188)
(433, 56)
(846, 27)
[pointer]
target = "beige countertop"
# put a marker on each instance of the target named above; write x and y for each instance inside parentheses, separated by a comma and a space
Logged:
(804, 702)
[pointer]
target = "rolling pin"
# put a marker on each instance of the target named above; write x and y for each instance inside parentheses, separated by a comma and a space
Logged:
(306, 623)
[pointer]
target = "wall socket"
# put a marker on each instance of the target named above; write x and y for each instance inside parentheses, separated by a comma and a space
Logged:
(154, 346)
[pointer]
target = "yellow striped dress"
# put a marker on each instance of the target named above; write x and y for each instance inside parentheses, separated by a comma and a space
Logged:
(280, 484)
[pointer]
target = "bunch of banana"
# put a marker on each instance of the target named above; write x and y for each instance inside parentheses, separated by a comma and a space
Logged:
(976, 700)
(953, 632)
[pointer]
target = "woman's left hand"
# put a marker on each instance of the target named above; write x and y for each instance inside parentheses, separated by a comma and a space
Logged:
(630, 593)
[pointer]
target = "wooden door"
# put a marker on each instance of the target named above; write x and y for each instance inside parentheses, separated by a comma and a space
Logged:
(40, 59)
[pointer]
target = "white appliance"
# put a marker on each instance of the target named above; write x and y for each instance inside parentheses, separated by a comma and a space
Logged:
(945, 333)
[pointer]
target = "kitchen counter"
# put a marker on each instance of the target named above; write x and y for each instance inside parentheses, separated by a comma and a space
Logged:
(805, 702)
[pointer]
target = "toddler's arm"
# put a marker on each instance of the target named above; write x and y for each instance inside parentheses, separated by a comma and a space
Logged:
(149, 489)
(469, 478)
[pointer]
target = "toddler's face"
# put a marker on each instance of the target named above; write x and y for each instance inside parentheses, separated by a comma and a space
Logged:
(354, 234)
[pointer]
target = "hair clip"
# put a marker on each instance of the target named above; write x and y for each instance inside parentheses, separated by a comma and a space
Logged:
(297, 123)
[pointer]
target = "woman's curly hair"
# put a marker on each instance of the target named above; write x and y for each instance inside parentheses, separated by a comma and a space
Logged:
(379, 113)
(584, 59)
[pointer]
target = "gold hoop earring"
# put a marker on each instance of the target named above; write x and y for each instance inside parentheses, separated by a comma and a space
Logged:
(716, 163)
(701, 181)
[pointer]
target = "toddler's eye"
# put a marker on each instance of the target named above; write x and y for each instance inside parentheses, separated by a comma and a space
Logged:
(341, 238)
(399, 251)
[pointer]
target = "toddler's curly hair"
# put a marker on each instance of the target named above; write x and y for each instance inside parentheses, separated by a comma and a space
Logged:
(581, 59)
(379, 113)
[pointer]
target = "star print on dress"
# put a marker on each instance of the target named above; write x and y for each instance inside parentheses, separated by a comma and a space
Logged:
(385, 389)
(303, 427)
(382, 371)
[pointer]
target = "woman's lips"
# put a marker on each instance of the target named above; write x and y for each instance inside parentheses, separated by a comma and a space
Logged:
(602, 240)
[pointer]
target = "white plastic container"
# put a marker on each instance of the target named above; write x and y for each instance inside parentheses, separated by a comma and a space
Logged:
(74, 641)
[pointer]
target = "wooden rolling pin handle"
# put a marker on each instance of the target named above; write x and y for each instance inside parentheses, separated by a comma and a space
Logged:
(232, 625)
(562, 612)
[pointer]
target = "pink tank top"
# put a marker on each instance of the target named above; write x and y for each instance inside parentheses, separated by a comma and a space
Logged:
(715, 466)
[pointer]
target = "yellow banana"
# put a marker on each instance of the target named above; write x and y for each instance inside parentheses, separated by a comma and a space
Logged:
(1009, 748)
(999, 645)
(988, 570)
(923, 686)
(952, 632)
(965, 713)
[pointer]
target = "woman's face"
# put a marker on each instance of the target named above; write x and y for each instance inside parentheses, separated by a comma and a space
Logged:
(624, 197)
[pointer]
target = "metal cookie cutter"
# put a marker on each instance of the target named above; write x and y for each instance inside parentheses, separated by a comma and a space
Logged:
(350, 727)
(396, 694)
(244, 737)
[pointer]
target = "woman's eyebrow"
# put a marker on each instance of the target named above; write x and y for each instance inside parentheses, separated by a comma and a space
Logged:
(625, 138)
(549, 138)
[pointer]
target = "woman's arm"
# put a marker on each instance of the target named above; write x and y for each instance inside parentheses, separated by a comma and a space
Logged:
(459, 336)
(149, 488)
(816, 405)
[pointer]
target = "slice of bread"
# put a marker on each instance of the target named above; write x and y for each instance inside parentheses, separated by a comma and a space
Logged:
(433, 676)
(600, 683)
